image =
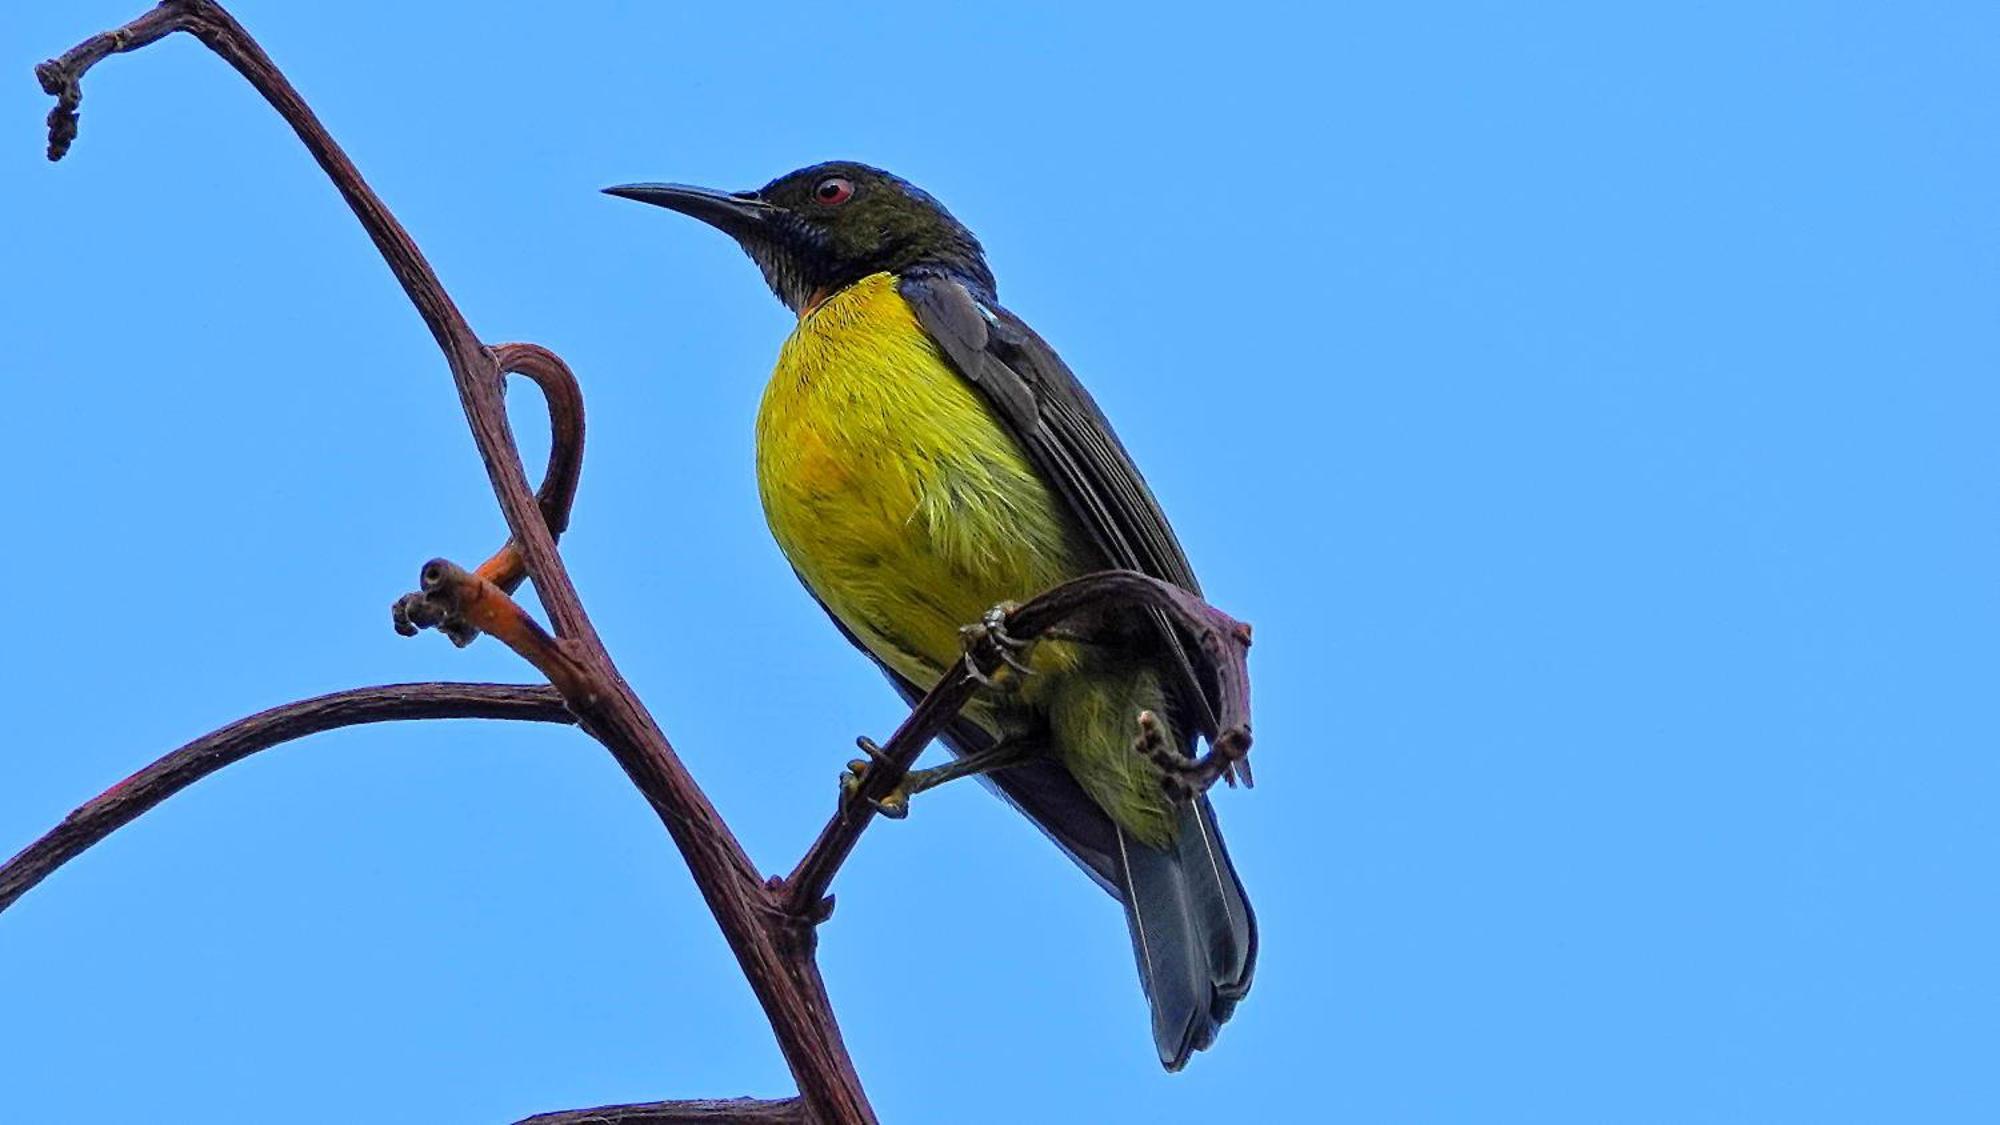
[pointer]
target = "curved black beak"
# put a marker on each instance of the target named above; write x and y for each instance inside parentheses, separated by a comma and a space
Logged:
(737, 214)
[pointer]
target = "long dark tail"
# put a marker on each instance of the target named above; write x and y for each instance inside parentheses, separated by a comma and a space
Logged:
(1192, 931)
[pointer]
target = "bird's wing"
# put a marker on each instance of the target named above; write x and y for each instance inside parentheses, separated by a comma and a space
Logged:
(1070, 442)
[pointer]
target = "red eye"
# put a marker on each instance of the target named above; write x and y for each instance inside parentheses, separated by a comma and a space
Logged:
(833, 191)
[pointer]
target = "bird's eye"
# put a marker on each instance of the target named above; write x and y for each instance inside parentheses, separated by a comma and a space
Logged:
(833, 191)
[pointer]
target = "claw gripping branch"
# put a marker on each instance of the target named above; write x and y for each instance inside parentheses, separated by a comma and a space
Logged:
(1224, 643)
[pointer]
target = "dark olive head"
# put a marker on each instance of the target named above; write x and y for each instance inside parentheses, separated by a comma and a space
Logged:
(820, 229)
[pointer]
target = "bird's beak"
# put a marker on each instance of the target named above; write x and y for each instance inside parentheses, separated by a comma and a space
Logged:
(741, 215)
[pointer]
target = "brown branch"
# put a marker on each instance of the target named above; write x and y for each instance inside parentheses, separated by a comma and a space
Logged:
(462, 605)
(775, 954)
(60, 77)
(1223, 640)
(727, 1111)
(506, 569)
(1224, 643)
(803, 893)
(129, 799)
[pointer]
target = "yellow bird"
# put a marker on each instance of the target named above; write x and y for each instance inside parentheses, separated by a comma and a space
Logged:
(922, 456)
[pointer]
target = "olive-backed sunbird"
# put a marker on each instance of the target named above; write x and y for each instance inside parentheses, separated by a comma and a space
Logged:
(922, 455)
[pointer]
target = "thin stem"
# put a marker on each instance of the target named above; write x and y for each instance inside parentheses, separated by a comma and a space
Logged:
(129, 799)
(805, 889)
(507, 569)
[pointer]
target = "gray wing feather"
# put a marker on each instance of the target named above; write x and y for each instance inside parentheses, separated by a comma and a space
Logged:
(1069, 440)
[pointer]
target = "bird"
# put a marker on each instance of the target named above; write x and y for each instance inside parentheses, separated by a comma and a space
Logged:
(923, 456)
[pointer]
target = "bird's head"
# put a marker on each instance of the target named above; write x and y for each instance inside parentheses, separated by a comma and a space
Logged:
(820, 229)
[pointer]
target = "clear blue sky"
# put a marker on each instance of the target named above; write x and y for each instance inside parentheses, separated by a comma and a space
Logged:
(1593, 410)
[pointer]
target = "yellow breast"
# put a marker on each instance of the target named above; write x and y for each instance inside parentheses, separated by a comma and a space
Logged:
(900, 500)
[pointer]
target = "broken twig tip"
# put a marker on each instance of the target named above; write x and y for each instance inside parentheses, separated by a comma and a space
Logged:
(60, 84)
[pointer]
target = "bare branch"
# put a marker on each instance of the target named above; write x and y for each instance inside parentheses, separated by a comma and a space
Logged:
(803, 892)
(506, 569)
(1224, 643)
(60, 77)
(726, 1111)
(126, 801)
(462, 605)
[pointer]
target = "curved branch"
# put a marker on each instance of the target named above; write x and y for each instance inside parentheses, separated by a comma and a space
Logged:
(507, 569)
(126, 801)
(558, 385)
(60, 78)
(1224, 643)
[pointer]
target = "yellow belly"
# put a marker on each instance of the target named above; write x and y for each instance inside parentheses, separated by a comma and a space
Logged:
(910, 511)
(897, 496)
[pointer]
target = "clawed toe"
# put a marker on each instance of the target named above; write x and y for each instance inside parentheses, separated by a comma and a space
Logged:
(1175, 768)
(852, 777)
(1184, 777)
(989, 645)
(895, 804)
(995, 623)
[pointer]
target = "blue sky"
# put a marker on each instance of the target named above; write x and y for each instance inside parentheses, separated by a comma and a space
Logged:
(1592, 407)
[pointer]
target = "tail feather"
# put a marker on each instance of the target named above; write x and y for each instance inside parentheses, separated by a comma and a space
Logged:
(1192, 931)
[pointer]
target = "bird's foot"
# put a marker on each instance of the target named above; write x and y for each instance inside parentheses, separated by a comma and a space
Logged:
(1181, 776)
(990, 650)
(895, 804)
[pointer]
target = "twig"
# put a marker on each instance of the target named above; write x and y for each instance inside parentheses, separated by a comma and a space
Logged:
(506, 569)
(1224, 643)
(462, 605)
(804, 891)
(727, 1111)
(1223, 640)
(60, 77)
(126, 801)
